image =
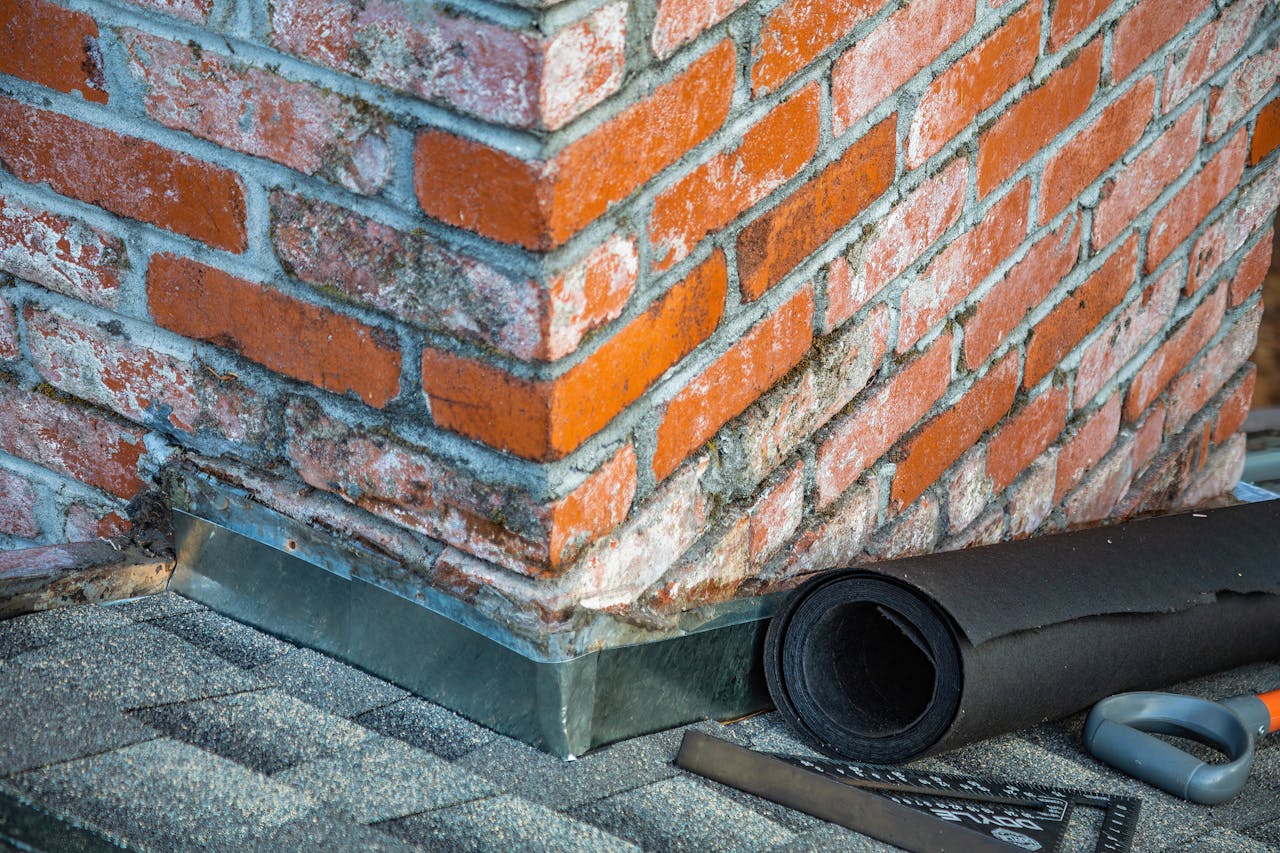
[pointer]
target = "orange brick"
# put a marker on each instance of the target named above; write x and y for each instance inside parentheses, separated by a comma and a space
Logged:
(300, 340)
(1174, 354)
(1145, 28)
(680, 21)
(963, 265)
(942, 440)
(1186, 210)
(594, 508)
(1252, 270)
(734, 381)
(1089, 442)
(1025, 436)
(125, 175)
(795, 33)
(540, 205)
(1142, 181)
(1206, 374)
(1035, 119)
(712, 196)
(1266, 133)
(1080, 312)
(1024, 287)
(1235, 407)
(771, 246)
(548, 419)
(893, 53)
(973, 83)
(861, 437)
(900, 238)
(52, 46)
(1069, 18)
(1091, 152)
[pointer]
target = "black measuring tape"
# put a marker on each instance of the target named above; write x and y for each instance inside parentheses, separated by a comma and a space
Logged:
(915, 810)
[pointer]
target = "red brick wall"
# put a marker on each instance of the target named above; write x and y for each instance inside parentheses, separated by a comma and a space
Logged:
(632, 304)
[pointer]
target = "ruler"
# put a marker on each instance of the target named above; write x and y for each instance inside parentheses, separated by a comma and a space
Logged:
(1017, 816)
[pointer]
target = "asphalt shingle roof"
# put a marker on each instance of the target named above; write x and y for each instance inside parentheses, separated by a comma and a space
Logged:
(162, 725)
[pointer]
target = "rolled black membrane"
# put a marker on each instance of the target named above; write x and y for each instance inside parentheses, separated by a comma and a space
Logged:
(921, 655)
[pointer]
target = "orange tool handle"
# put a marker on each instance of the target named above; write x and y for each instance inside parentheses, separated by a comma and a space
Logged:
(1272, 700)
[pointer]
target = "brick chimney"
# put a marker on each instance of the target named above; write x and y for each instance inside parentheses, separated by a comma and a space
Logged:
(628, 306)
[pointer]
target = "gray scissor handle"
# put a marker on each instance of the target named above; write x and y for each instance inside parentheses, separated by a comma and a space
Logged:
(1116, 732)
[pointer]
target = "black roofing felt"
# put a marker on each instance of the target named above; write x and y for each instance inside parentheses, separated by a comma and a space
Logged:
(159, 724)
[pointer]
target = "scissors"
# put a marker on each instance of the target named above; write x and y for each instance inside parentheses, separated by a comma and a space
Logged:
(1117, 732)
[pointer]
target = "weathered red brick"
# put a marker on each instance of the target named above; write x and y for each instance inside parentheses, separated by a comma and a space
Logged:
(1026, 435)
(85, 523)
(914, 532)
(548, 419)
(1090, 439)
(940, 442)
(837, 539)
(52, 46)
(775, 514)
(63, 254)
(875, 424)
(780, 421)
(772, 245)
(1024, 287)
(621, 565)
(1188, 208)
(1211, 49)
(963, 265)
(709, 572)
(900, 238)
(798, 31)
(1069, 18)
(125, 175)
(259, 112)
(1030, 500)
(734, 381)
(1175, 353)
(1141, 182)
(587, 295)
(1139, 322)
(1217, 476)
(1234, 227)
(1203, 378)
(1252, 270)
(1248, 86)
(680, 21)
(1236, 399)
(307, 342)
(424, 492)
(1080, 312)
(1102, 487)
(891, 54)
(67, 438)
(542, 204)
(416, 278)
(461, 61)
(1145, 28)
(1148, 437)
(1037, 117)
(17, 507)
(714, 194)
(974, 82)
(1266, 133)
(169, 392)
(8, 331)
(969, 490)
(1093, 150)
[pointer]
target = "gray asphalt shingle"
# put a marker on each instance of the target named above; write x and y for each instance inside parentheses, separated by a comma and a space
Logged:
(46, 627)
(427, 726)
(228, 639)
(327, 683)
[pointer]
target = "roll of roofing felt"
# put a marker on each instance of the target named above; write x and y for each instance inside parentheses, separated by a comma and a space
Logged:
(924, 654)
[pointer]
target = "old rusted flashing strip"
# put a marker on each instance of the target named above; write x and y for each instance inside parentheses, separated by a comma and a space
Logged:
(55, 576)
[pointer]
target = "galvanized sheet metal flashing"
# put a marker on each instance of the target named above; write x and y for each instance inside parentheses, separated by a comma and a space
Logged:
(256, 565)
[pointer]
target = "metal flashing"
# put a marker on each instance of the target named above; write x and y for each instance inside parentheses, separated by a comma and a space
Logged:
(256, 565)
